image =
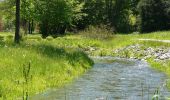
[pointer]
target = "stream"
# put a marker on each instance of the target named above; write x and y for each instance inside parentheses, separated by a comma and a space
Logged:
(112, 79)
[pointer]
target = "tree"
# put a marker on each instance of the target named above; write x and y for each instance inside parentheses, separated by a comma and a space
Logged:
(27, 15)
(167, 10)
(114, 13)
(95, 10)
(55, 16)
(153, 16)
(17, 24)
(7, 12)
(133, 6)
(120, 15)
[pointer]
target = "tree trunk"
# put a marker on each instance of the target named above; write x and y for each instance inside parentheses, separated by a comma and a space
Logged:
(29, 27)
(23, 23)
(32, 26)
(17, 26)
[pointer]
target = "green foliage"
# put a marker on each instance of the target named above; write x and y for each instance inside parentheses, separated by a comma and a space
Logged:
(27, 9)
(167, 10)
(120, 18)
(7, 13)
(114, 13)
(95, 9)
(56, 15)
(153, 15)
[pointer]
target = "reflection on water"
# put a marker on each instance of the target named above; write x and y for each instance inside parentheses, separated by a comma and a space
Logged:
(112, 79)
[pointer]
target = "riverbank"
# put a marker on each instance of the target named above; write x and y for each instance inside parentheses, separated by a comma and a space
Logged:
(111, 79)
(54, 62)
(156, 53)
(36, 65)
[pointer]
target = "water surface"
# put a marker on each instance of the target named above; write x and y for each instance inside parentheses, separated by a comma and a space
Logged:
(112, 79)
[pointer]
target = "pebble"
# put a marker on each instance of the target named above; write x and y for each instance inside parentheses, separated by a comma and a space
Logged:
(157, 53)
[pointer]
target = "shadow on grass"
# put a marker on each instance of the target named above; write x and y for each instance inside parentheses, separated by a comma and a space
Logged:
(71, 55)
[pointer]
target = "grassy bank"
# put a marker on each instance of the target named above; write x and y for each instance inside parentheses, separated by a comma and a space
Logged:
(54, 62)
(36, 65)
(106, 47)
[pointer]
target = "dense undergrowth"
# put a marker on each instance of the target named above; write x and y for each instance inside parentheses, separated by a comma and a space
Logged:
(54, 62)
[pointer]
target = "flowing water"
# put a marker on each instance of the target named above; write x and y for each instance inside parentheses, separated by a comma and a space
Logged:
(113, 79)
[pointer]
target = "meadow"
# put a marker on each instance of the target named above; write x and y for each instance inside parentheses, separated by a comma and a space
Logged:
(37, 64)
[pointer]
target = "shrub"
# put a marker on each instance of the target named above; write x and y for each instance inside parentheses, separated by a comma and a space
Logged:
(98, 32)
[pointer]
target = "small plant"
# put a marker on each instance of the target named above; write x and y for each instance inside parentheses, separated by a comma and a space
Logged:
(126, 53)
(102, 53)
(156, 95)
(27, 77)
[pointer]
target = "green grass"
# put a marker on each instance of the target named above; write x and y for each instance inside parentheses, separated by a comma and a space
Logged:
(51, 66)
(163, 67)
(106, 46)
(55, 62)
(162, 35)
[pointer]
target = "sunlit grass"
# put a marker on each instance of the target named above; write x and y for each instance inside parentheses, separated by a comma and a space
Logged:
(56, 61)
(51, 66)
(162, 35)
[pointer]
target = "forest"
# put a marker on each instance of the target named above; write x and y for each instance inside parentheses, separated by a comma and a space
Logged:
(57, 17)
(47, 44)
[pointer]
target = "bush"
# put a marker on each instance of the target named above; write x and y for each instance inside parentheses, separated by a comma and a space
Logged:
(153, 15)
(98, 32)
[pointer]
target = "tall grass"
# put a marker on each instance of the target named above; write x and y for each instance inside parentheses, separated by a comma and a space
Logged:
(51, 66)
(98, 32)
